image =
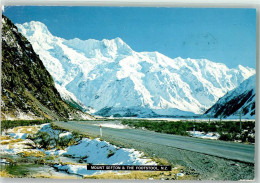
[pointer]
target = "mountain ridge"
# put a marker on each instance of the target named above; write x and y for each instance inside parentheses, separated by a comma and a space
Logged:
(109, 74)
(239, 100)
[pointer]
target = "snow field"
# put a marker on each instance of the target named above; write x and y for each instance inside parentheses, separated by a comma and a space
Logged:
(209, 135)
(92, 151)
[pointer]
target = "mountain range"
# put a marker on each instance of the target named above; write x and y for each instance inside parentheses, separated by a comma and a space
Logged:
(111, 78)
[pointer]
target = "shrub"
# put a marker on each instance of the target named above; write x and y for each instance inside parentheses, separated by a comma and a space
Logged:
(226, 137)
(110, 153)
(42, 139)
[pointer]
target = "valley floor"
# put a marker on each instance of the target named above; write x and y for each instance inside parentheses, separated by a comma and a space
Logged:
(204, 159)
(47, 151)
(63, 149)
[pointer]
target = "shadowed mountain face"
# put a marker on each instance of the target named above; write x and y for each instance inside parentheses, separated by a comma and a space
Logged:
(28, 90)
(241, 100)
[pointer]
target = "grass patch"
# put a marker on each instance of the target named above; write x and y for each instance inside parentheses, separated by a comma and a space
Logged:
(26, 129)
(5, 174)
(7, 124)
(11, 142)
(4, 142)
(32, 154)
(141, 175)
(4, 137)
(68, 163)
(161, 161)
(21, 170)
(45, 175)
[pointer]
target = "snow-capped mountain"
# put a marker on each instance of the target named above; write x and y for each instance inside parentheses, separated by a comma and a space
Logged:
(239, 100)
(114, 79)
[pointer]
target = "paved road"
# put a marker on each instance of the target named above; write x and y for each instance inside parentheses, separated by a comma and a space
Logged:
(228, 150)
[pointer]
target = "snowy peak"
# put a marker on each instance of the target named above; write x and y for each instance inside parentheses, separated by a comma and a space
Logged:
(35, 27)
(90, 48)
(106, 48)
(113, 79)
(38, 33)
(246, 71)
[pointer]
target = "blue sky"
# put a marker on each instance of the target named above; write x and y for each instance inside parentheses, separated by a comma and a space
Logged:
(220, 35)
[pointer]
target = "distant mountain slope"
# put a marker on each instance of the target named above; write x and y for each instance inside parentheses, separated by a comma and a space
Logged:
(70, 99)
(115, 80)
(28, 90)
(241, 99)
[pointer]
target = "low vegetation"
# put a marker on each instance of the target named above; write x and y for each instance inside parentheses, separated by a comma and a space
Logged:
(110, 153)
(142, 175)
(11, 142)
(32, 154)
(4, 173)
(228, 130)
(7, 124)
(47, 140)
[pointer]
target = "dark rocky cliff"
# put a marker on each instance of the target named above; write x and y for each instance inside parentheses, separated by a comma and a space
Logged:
(28, 90)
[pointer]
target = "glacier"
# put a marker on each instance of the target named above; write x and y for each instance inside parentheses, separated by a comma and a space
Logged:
(113, 79)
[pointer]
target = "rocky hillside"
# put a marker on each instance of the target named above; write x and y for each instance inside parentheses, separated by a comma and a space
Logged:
(28, 90)
(241, 100)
